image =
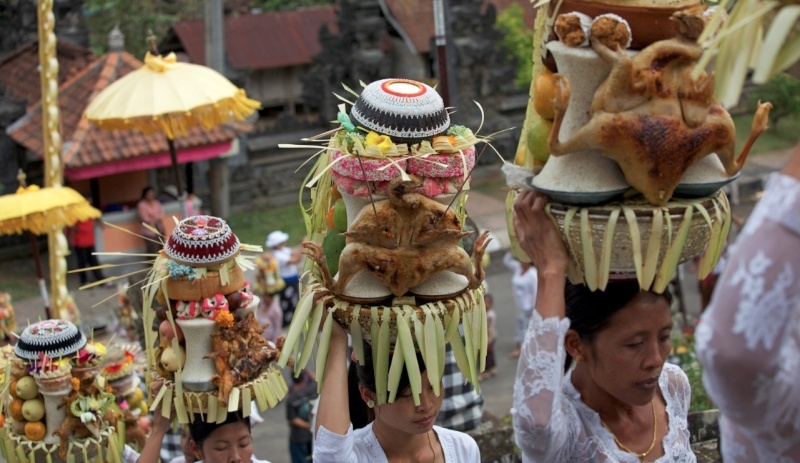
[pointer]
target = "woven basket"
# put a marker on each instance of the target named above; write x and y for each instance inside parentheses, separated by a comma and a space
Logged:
(622, 263)
(198, 402)
(345, 311)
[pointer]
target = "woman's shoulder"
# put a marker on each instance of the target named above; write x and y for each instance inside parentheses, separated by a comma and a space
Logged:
(463, 444)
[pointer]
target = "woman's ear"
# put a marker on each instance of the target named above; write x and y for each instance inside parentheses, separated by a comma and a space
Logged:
(366, 394)
(195, 449)
(573, 344)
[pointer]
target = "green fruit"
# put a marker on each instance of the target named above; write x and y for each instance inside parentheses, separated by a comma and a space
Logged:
(339, 216)
(333, 245)
(538, 133)
(33, 410)
(27, 388)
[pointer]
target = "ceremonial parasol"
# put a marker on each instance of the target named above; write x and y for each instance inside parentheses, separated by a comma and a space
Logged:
(38, 210)
(171, 97)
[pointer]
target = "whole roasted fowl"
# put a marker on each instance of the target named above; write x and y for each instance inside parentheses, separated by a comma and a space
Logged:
(403, 241)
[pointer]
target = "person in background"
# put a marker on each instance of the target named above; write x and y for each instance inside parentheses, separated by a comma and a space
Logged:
(524, 284)
(152, 214)
(491, 323)
(269, 312)
(749, 338)
(82, 237)
(288, 259)
(462, 407)
(298, 413)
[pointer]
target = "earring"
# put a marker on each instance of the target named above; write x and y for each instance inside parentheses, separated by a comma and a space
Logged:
(371, 403)
(579, 358)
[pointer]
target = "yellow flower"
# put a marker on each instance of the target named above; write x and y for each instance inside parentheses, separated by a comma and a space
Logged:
(381, 141)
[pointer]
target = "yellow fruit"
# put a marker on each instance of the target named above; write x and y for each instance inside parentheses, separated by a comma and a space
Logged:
(35, 430)
(538, 133)
(135, 398)
(519, 159)
(33, 410)
(26, 388)
(144, 408)
(543, 95)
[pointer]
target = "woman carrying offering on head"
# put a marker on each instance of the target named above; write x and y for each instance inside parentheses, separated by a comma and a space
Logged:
(618, 400)
(399, 431)
(226, 442)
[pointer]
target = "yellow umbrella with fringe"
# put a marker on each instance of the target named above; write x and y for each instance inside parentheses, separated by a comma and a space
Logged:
(36, 210)
(170, 97)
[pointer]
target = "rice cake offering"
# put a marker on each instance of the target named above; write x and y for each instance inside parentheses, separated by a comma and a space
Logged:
(398, 167)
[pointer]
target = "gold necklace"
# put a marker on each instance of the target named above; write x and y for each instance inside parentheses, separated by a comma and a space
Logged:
(643, 455)
(430, 443)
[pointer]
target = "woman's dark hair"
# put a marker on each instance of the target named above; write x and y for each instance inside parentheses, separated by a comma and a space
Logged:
(199, 430)
(590, 312)
(360, 414)
(145, 190)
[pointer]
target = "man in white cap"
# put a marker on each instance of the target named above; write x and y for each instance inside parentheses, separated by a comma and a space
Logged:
(287, 262)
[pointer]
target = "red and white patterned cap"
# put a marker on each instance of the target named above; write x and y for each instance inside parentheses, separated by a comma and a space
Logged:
(202, 241)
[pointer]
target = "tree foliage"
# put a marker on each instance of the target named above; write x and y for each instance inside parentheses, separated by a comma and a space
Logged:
(134, 18)
(271, 5)
(783, 91)
(518, 42)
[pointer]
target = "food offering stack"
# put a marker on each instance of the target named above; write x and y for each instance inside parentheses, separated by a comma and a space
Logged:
(122, 366)
(627, 139)
(8, 322)
(386, 221)
(52, 415)
(204, 346)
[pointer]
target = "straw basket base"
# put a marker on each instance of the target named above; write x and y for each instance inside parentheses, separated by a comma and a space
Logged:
(81, 449)
(267, 390)
(635, 240)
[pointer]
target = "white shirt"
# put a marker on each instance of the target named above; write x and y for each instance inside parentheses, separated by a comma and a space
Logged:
(283, 256)
(362, 445)
(523, 285)
(552, 424)
(130, 456)
(748, 339)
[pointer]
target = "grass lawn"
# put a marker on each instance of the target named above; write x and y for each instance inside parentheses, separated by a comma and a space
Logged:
(252, 227)
(778, 137)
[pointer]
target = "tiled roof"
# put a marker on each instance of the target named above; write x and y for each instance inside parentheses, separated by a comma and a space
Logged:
(86, 145)
(269, 40)
(19, 69)
(415, 18)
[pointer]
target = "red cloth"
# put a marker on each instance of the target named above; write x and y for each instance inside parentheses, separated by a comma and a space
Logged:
(83, 234)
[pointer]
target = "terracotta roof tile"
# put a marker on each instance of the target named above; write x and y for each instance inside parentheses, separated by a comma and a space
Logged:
(19, 69)
(269, 40)
(416, 18)
(86, 145)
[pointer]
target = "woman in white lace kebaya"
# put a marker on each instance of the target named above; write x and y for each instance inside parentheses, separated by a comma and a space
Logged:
(749, 338)
(620, 402)
(392, 432)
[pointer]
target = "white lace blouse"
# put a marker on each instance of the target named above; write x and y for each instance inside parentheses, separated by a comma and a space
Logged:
(552, 424)
(749, 338)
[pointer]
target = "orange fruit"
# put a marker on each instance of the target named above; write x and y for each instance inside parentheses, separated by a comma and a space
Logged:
(15, 409)
(13, 389)
(35, 430)
(543, 95)
(329, 218)
(2, 420)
